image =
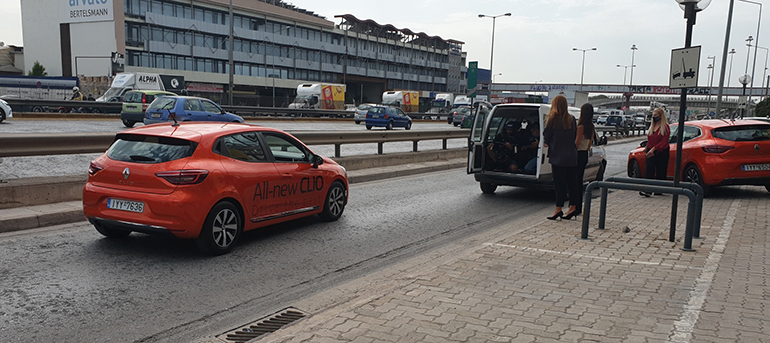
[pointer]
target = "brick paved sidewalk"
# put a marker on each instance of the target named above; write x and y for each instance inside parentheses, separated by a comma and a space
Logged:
(539, 282)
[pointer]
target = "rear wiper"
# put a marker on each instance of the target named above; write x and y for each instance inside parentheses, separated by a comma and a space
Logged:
(141, 158)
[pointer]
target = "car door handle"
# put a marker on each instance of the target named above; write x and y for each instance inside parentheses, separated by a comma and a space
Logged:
(286, 176)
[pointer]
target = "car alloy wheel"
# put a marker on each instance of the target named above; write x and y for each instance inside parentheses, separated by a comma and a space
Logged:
(221, 230)
(390, 126)
(334, 204)
(633, 170)
(128, 123)
(408, 125)
(692, 174)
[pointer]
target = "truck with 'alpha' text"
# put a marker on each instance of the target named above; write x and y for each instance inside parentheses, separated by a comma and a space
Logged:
(320, 96)
(124, 82)
(409, 101)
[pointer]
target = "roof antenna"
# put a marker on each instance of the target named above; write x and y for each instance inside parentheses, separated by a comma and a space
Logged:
(173, 116)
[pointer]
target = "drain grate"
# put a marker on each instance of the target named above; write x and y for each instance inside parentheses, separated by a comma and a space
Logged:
(263, 326)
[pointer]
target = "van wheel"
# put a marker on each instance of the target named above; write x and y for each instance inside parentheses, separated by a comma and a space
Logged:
(488, 188)
(390, 126)
(368, 127)
(221, 230)
(600, 173)
(128, 123)
(633, 170)
(334, 204)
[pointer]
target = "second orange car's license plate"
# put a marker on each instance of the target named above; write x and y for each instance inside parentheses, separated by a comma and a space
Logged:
(756, 167)
(125, 205)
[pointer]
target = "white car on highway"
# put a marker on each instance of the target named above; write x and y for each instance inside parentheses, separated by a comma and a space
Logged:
(5, 111)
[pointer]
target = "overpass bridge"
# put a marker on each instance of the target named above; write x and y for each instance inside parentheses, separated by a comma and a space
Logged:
(640, 89)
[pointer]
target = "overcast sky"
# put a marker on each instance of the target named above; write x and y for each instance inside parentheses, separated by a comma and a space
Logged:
(535, 43)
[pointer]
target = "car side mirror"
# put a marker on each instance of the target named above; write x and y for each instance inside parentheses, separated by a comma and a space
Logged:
(601, 140)
(222, 112)
(643, 144)
(317, 161)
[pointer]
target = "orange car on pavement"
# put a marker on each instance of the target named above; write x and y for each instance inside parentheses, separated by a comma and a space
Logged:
(209, 182)
(717, 152)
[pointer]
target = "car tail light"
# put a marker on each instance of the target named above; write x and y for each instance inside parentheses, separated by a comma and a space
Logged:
(144, 98)
(716, 148)
(94, 168)
(184, 177)
(386, 116)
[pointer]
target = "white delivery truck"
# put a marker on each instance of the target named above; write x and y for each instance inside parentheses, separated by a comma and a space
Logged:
(320, 96)
(125, 82)
(462, 100)
(442, 103)
(408, 101)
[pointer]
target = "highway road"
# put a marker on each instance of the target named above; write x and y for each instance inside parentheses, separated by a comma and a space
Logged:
(70, 284)
(41, 166)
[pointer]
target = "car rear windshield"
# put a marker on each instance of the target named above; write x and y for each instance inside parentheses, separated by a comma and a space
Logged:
(743, 133)
(149, 149)
(133, 97)
(163, 104)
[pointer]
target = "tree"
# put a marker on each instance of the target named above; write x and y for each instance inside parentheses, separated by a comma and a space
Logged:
(763, 108)
(37, 70)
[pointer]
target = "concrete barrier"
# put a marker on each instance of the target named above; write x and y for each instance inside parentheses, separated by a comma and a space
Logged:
(47, 190)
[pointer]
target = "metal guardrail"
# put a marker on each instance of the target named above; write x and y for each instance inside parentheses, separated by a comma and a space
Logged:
(693, 191)
(40, 105)
(620, 130)
(35, 144)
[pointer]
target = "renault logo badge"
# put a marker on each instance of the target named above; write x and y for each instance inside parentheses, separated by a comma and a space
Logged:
(126, 173)
(756, 147)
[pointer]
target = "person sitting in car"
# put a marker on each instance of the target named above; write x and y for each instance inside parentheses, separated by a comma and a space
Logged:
(502, 150)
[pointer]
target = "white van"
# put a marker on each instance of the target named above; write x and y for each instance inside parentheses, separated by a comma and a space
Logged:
(487, 126)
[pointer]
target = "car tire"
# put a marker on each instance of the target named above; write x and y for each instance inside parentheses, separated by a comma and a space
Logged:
(633, 170)
(408, 125)
(2, 115)
(456, 124)
(107, 231)
(389, 126)
(334, 204)
(767, 187)
(221, 230)
(693, 174)
(358, 122)
(62, 110)
(602, 169)
(37, 109)
(128, 123)
(368, 127)
(488, 188)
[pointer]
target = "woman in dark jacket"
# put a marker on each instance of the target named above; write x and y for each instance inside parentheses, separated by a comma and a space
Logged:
(559, 135)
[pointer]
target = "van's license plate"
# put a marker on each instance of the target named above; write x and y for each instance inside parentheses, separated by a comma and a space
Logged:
(755, 167)
(125, 205)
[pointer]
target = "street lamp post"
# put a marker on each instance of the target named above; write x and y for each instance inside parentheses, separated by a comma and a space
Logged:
(744, 80)
(493, 76)
(754, 65)
(691, 8)
(711, 83)
(764, 73)
(625, 69)
(492, 51)
(633, 51)
(724, 58)
(583, 68)
(730, 73)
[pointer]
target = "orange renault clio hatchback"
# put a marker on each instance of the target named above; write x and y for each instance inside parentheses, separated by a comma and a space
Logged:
(209, 182)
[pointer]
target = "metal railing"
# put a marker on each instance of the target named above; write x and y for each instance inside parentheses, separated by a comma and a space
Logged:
(35, 144)
(692, 190)
(39, 105)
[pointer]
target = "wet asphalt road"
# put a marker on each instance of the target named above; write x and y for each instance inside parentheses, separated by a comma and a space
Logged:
(70, 284)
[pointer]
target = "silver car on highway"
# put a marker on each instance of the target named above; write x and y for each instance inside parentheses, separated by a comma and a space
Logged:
(361, 113)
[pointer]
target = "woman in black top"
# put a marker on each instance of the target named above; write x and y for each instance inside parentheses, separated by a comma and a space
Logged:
(583, 141)
(559, 135)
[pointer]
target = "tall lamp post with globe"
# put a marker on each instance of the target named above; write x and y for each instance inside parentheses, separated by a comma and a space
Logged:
(691, 8)
(745, 79)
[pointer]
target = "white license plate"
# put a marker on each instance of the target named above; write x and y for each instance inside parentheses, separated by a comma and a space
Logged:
(155, 115)
(755, 167)
(125, 205)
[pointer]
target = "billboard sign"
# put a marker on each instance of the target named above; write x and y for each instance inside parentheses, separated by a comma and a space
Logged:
(118, 62)
(82, 11)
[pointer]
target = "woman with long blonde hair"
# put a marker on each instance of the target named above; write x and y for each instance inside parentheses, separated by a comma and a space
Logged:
(657, 150)
(559, 135)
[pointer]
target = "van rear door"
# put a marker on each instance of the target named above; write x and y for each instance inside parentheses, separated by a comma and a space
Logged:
(476, 141)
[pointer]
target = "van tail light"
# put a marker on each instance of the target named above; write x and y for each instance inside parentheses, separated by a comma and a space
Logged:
(94, 168)
(716, 148)
(184, 177)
